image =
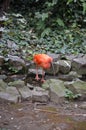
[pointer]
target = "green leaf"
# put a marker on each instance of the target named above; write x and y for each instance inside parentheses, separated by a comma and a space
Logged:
(38, 15)
(60, 22)
(63, 49)
(84, 7)
(17, 15)
(40, 25)
(54, 2)
(69, 1)
(44, 16)
(50, 4)
(46, 32)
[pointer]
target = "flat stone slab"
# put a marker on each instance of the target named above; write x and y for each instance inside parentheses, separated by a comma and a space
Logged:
(56, 89)
(9, 97)
(40, 95)
(79, 65)
(26, 93)
(10, 94)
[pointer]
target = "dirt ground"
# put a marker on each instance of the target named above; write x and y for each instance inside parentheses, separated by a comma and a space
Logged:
(39, 116)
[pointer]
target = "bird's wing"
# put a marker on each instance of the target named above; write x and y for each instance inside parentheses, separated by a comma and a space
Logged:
(42, 60)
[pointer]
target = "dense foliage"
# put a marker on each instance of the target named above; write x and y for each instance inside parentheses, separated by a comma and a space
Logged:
(53, 25)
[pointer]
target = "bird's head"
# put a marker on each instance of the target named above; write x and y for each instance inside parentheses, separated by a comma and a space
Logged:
(47, 64)
(50, 64)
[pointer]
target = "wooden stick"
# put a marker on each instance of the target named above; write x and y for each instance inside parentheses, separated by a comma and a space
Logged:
(74, 114)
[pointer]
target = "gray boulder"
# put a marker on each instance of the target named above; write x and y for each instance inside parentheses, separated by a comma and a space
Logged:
(3, 77)
(3, 85)
(56, 89)
(72, 75)
(77, 87)
(79, 65)
(10, 94)
(17, 84)
(64, 66)
(16, 62)
(55, 57)
(83, 105)
(9, 97)
(1, 60)
(72, 56)
(25, 92)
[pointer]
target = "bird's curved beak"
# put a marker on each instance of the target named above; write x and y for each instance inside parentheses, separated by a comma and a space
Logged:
(52, 65)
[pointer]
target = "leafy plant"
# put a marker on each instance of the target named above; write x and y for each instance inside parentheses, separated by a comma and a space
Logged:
(13, 69)
(42, 26)
(70, 95)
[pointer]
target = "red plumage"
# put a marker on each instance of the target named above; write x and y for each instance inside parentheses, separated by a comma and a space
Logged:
(44, 61)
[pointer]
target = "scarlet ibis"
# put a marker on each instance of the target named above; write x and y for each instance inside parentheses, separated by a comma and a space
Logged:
(44, 61)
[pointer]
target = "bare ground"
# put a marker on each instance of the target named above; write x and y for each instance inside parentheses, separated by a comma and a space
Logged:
(37, 116)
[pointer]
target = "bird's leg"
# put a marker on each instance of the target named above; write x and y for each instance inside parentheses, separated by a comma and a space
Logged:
(37, 77)
(43, 74)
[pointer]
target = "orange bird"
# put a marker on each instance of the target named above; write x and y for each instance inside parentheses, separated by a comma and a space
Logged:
(44, 61)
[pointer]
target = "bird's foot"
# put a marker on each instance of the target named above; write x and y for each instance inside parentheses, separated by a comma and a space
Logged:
(37, 78)
(42, 80)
